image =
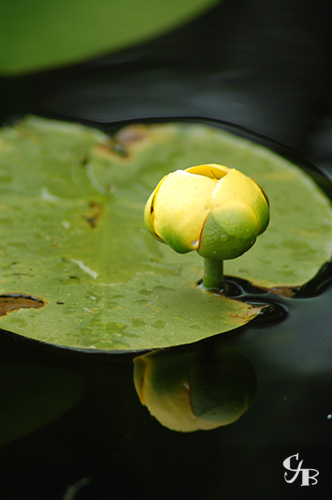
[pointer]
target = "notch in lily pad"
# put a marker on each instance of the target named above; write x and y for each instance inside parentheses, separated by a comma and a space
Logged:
(215, 210)
(13, 301)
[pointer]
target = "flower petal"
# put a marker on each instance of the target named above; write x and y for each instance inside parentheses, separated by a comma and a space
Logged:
(149, 209)
(236, 186)
(181, 206)
(211, 170)
(229, 231)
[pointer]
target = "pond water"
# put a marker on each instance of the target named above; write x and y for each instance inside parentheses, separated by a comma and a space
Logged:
(263, 68)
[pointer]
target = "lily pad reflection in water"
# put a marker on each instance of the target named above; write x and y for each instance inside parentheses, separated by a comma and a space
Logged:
(25, 403)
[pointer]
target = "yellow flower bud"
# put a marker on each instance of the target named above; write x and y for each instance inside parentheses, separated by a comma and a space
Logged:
(209, 208)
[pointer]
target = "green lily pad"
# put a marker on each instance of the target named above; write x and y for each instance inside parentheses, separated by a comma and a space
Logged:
(298, 240)
(39, 34)
(78, 267)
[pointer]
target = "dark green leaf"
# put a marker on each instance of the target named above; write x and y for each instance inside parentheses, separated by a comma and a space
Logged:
(35, 34)
(32, 396)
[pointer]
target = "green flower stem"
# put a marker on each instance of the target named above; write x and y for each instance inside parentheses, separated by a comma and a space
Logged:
(213, 278)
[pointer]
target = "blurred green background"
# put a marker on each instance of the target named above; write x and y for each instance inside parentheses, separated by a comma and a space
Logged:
(38, 34)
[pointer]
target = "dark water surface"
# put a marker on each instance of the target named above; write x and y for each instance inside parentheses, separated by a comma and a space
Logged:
(264, 66)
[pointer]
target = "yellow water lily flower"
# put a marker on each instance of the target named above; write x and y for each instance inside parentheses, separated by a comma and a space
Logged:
(211, 208)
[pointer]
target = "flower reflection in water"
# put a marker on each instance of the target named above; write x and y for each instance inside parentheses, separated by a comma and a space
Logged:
(198, 390)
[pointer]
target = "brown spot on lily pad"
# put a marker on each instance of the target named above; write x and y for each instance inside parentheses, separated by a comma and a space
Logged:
(95, 214)
(250, 314)
(132, 133)
(12, 301)
(111, 148)
(123, 144)
(284, 291)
